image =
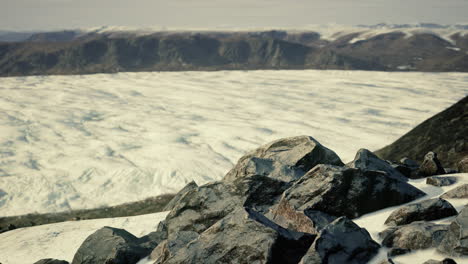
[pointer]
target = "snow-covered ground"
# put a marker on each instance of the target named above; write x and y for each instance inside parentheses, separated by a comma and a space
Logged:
(62, 240)
(70, 142)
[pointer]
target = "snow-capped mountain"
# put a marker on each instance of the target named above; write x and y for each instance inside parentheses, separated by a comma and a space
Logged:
(418, 47)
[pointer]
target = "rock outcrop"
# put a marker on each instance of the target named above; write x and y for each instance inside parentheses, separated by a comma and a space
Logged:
(444, 133)
(417, 235)
(366, 160)
(285, 159)
(340, 191)
(342, 241)
(426, 210)
(462, 166)
(441, 181)
(455, 242)
(110, 245)
(457, 193)
(244, 236)
(431, 165)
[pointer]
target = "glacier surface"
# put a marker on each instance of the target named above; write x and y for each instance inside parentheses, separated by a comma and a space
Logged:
(72, 142)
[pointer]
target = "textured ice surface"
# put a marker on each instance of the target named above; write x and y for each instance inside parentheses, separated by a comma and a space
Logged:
(70, 142)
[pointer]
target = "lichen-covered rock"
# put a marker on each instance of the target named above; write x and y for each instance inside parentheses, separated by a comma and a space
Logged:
(366, 160)
(168, 248)
(455, 242)
(431, 166)
(417, 235)
(462, 166)
(341, 191)
(110, 245)
(441, 181)
(51, 261)
(302, 221)
(457, 193)
(285, 159)
(426, 210)
(244, 236)
(342, 241)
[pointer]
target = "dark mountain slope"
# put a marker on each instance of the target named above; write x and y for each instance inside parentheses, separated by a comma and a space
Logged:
(445, 133)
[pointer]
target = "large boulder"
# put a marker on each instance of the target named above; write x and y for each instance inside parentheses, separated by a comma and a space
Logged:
(366, 160)
(244, 236)
(459, 192)
(51, 261)
(110, 245)
(342, 241)
(285, 159)
(341, 191)
(431, 165)
(426, 210)
(444, 133)
(417, 235)
(441, 181)
(455, 242)
(200, 207)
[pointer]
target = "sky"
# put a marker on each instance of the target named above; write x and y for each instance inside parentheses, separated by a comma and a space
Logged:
(70, 14)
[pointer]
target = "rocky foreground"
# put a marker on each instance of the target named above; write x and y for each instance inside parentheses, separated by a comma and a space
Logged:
(293, 201)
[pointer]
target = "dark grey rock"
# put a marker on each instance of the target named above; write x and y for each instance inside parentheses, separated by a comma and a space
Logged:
(153, 239)
(431, 166)
(457, 193)
(191, 186)
(441, 181)
(417, 235)
(168, 248)
(341, 191)
(285, 159)
(51, 261)
(244, 236)
(201, 207)
(404, 170)
(426, 210)
(462, 166)
(110, 245)
(409, 163)
(342, 241)
(260, 192)
(444, 261)
(455, 242)
(368, 161)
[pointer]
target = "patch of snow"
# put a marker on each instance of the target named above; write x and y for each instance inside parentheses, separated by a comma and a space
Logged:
(453, 48)
(62, 240)
(374, 222)
(124, 137)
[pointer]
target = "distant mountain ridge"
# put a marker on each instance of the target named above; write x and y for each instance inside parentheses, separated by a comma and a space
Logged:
(422, 47)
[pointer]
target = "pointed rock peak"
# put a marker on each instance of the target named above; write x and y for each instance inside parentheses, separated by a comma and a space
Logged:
(368, 161)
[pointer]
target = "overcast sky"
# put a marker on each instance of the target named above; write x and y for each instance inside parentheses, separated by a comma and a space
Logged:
(63, 14)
